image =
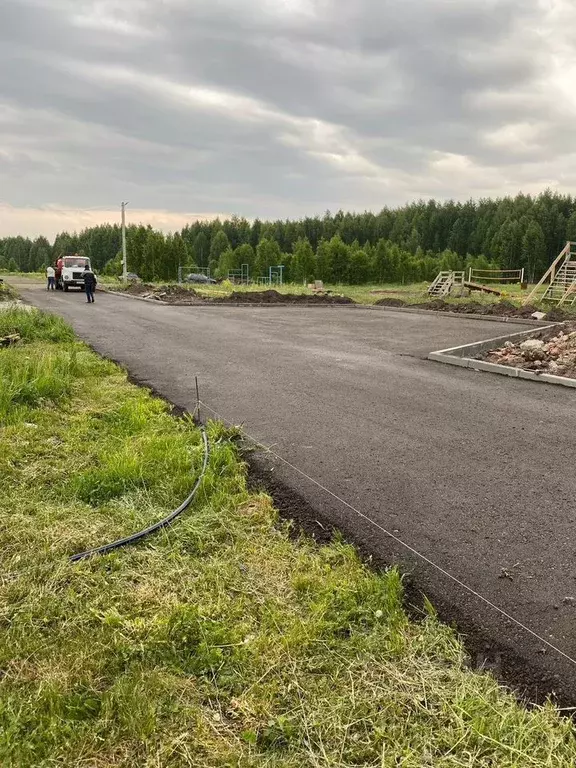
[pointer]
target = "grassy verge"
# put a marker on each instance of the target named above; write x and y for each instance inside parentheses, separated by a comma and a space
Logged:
(7, 293)
(221, 642)
(412, 293)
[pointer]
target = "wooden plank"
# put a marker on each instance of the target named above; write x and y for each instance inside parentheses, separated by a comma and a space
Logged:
(483, 288)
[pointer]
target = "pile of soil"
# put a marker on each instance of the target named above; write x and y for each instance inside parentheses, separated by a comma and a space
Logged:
(171, 294)
(274, 297)
(391, 302)
(496, 309)
(135, 289)
(177, 294)
(552, 351)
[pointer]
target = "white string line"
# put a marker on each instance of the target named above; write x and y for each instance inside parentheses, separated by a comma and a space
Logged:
(377, 525)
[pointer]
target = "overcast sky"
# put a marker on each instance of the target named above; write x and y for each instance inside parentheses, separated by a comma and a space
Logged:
(277, 108)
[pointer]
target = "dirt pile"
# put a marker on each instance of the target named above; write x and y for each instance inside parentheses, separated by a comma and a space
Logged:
(135, 289)
(177, 294)
(391, 302)
(274, 297)
(552, 352)
(171, 294)
(6, 292)
(495, 309)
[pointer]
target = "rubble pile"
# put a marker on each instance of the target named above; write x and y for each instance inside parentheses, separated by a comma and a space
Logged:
(555, 355)
(170, 294)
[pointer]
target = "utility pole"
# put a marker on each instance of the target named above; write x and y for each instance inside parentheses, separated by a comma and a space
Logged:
(124, 261)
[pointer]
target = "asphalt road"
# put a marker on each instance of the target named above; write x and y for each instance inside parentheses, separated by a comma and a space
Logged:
(473, 470)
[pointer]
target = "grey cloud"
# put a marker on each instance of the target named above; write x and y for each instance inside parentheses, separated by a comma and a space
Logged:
(271, 109)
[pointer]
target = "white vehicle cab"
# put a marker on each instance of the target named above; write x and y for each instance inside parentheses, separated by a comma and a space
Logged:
(73, 271)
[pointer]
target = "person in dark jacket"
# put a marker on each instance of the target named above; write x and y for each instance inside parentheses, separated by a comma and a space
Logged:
(89, 284)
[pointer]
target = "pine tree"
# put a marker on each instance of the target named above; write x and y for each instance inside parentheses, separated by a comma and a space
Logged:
(245, 255)
(219, 244)
(359, 267)
(323, 270)
(268, 255)
(135, 240)
(571, 227)
(303, 262)
(533, 257)
(413, 242)
(339, 254)
(507, 245)
(201, 250)
(152, 255)
(226, 263)
(381, 265)
(178, 256)
(39, 254)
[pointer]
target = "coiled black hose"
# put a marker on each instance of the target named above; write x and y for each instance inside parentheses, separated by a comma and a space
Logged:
(156, 526)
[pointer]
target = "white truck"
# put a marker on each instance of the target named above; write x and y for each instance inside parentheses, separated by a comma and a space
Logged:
(72, 274)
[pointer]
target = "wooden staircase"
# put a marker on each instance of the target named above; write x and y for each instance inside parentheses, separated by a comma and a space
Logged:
(444, 282)
(559, 281)
(562, 285)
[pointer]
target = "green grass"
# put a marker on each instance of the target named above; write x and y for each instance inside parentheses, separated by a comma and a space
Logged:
(222, 642)
(33, 325)
(411, 293)
(7, 293)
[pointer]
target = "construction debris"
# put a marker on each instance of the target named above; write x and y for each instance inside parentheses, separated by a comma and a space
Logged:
(6, 341)
(553, 352)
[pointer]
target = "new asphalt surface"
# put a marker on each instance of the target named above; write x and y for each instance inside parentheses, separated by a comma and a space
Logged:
(472, 470)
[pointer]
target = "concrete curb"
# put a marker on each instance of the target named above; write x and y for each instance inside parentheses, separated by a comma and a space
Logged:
(370, 307)
(462, 315)
(463, 357)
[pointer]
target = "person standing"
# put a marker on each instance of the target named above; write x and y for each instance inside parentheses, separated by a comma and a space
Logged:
(89, 284)
(51, 275)
(59, 265)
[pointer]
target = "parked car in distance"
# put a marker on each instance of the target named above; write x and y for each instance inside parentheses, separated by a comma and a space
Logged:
(194, 278)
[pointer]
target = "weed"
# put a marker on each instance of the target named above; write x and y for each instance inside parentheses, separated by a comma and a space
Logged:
(33, 325)
(34, 377)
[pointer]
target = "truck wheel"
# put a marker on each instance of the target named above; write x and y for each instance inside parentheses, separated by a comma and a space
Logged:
(65, 288)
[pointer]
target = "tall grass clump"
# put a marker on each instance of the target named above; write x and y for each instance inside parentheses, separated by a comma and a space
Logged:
(33, 325)
(7, 293)
(33, 379)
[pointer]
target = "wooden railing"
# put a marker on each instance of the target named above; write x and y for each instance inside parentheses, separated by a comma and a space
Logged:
(551, 271)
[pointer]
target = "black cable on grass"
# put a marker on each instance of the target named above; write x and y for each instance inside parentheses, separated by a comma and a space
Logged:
(156, 526)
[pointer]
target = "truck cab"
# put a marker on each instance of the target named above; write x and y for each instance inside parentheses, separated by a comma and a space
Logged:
(72, 275)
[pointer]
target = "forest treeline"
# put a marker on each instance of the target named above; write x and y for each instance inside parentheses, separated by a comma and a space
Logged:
(405, 244)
